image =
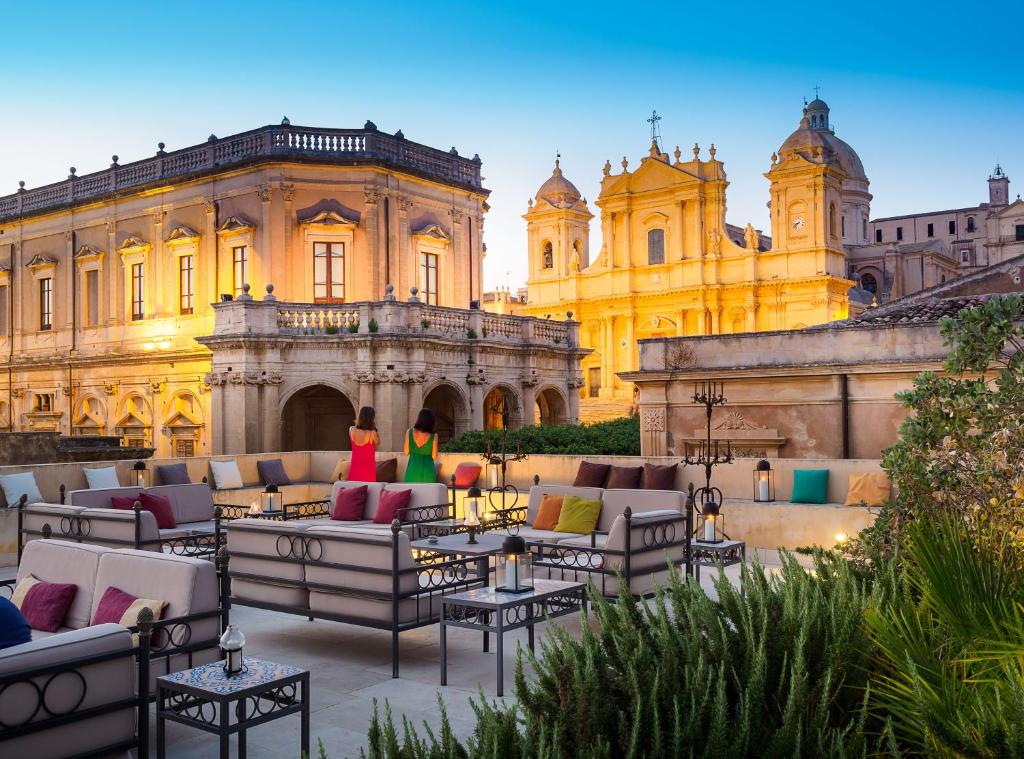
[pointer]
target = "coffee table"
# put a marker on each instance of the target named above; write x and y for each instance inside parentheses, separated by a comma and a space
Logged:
(491, 610)
(206, 698)
(723, 554)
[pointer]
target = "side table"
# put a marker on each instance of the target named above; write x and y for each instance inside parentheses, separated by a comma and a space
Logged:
(494, 611)
(723, 554)
(207, 699)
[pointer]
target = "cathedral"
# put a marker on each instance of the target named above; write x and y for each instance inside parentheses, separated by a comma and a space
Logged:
(670, 265)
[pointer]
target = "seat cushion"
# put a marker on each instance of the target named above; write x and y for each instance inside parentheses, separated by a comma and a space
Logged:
(600, 541)
(626, 477)
(657, 477)
(101, 477)
(578, 515)
(186, 585)
(65, 562)
(225, 474)
(546, 536)
(810, 486)
(547, 514)
(272, 472)
(591, 475)
(173, 474)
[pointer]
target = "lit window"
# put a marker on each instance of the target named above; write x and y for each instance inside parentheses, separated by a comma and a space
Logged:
(428, 276)
(46, 303)
(239, 267)
(42, 402)
(328, 272)
(186, 285)
(549, 257)
(138, 292)
(656, 246)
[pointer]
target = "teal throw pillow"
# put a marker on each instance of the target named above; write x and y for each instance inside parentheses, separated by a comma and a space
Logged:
(810, 486)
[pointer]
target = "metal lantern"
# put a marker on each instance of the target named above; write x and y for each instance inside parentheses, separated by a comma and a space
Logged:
(515, 566)
(493, 474)
(764, 482)
(714, 524)
(271, 499)
(231, 642)
(140, 475)
(471, 504)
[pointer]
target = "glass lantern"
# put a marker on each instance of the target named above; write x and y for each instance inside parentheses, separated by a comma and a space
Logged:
(493, 474)
(471, 507)
(515, 566)
(231, 642)
(764, 482)
(140, 475)
(271, 499)
(714, 524)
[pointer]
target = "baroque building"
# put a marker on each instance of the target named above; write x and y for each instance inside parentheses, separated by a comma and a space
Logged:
(670, 265)
(108, 280)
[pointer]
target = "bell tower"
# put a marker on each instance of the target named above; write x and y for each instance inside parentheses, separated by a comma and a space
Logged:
(558, 229)
(998, 188)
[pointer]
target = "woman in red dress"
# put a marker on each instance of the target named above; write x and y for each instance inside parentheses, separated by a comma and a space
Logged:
(365, 440)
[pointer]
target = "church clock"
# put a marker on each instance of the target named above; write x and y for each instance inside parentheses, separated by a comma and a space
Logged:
(798, 223)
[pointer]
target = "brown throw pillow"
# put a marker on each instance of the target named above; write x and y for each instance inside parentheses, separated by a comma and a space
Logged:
(387, 470)
(591, 475)
(657, 477)
(624, 477)
(547, 514)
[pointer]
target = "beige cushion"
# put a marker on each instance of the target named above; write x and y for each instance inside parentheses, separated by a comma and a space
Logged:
(119, 525)
(340, 471)
(640, 501)
(868, 489)
(533, 502)
(373, 550)
(546, 536)
(584, 540)
(259, 536)
(187, 585)
(61, 561)
(226, 475)
(100, 497)
(189, 503)
(106, 682)
(423, 493)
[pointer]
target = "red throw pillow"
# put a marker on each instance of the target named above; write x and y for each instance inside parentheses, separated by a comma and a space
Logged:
(160, 506)
(350, 504)
(466, 475)
(124, 502)
(46, 604)
(390, 503)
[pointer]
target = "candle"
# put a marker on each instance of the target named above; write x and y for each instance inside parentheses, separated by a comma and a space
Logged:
(709, 529)
(762, 488)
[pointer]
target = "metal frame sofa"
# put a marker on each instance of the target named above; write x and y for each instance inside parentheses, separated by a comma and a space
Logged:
(359, 575)
(84, 691)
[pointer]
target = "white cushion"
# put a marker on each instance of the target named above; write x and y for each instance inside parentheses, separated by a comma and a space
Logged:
(226, 474)
(101, 477)
(17, 485)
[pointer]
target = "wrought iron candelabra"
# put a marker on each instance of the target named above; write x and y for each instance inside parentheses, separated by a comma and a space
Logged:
(709, 453)
(501, 459)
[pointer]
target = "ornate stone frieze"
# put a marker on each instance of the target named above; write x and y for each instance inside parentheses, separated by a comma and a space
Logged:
(110, 388)
(395, 376)
(529, 380)
(372, 195)
(17, 392)
(405, 203)
(652, 419)
(287, 191)
(575, 382)
(263, 193)
(733, 420)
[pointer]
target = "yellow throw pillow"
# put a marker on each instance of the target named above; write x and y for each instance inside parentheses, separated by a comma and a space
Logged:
(341, 470)
(548, 513)
(578, 515)
(868, 489)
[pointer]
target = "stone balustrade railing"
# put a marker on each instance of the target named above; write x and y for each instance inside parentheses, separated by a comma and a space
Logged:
(353, 320)
(269, 142)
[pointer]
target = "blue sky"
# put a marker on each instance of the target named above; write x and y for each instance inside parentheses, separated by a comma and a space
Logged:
(929, 94)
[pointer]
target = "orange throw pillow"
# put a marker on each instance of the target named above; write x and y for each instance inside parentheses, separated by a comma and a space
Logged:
(548, 513)
(868, 489)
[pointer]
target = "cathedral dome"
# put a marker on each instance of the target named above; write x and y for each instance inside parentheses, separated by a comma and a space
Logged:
(804, 137)
(848, 158)
(558, 190)
(816, 132)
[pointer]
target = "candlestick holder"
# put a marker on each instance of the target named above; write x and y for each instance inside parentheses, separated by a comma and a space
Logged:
(502, 489)
(709, 452)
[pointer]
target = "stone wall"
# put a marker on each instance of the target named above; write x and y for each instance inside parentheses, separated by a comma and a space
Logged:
(19, 448)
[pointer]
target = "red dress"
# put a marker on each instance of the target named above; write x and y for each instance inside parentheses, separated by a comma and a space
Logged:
(364, 461)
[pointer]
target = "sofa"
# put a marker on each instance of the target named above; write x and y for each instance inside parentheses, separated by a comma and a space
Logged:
(360, 574)
(89, 518)
(97, 678)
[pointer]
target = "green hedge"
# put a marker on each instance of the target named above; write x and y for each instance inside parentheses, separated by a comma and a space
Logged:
(618, 437)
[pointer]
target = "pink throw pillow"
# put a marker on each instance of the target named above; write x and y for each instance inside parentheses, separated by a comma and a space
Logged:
(391, 501)
(115, 605)
(466, 475)
(45, 604)
(161, 508)
(350, 504)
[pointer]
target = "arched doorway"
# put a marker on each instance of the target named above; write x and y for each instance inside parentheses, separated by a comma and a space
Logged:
(449, 409)
(501, 402)
(317, 418)
(551, 407)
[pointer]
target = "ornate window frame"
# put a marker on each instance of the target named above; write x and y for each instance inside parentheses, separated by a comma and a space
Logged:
(134, 250)
(236, 231)
(328, 227)
(180, 242)
(43, 267)
(432, 239)
(87, 259)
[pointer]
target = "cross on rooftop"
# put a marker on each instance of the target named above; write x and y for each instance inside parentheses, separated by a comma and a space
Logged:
(655, 129)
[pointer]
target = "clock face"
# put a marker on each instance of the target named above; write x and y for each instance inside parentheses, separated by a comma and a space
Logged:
(798, 223)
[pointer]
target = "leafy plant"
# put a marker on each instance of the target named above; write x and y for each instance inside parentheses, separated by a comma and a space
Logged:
(330, 329)
(471, 333)
(617, 437)
(483, 331)
(372, 325)
(353, 328)
(557, 339)
(425, 323)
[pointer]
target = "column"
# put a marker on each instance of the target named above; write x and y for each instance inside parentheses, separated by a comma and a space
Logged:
(217, 415)
(270, 399)
(373, 288)
(261, 275)
(205, 271)
(158, 281)
(530, 406)
(476, 400)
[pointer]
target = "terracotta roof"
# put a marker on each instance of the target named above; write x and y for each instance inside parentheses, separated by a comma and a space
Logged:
(908, 312)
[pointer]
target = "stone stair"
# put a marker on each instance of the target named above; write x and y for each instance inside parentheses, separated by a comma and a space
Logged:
(602, 409)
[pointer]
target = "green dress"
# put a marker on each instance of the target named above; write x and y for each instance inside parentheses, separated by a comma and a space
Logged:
(421, 461)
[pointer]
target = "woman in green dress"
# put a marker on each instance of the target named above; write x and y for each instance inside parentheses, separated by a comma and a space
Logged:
(421, 447)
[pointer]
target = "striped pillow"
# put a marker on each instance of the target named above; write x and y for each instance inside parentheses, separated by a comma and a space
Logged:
(123, 608)
(43, 604)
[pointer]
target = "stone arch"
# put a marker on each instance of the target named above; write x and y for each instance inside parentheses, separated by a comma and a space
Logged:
(552, 406)
(547, 252)
(450, 405)
(502, 398)
(90, 417)
(316, 417)
(134, 420)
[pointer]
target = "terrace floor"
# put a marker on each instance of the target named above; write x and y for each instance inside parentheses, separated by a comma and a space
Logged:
(351, 668)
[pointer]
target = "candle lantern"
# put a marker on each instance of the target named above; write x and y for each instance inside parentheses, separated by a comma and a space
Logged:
(493, 474)
(714, 523)
(515, 566)
(271, 498)
(764, 482)
(231, 642)
(140, 475)
(471, 504)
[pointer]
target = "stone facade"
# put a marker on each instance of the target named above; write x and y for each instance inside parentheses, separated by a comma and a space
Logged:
(106, 279)
(287, 377)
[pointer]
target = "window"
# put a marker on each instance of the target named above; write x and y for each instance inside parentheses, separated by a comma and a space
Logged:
(869, 283)
(899, 233)
(549, 257)
(594, 377)
(46, 303)
(842, 220)
(239, 268)
(3, 310)
(970, 223)
(186, 285)
(92, 298)
(965, 256)
(328, 272)
(138, 292)
(184, 447)
(656, 246)
(42, 402)
(952, 227)
(832, 220)
(931, 230)
(428, 276)
(878, 235)
(864, 229)
(1019, 232)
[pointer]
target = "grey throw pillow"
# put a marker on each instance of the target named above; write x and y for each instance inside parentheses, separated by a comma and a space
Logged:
(272, 472)
(173, 474)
